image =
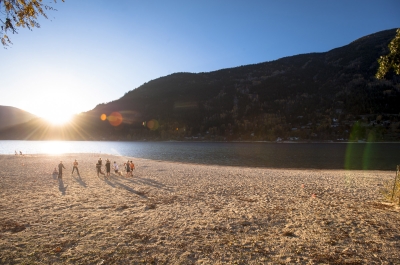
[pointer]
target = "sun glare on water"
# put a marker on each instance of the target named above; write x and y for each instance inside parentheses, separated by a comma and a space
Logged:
(54, 147)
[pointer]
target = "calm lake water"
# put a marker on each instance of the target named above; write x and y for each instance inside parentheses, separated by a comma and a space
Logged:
(368, 156)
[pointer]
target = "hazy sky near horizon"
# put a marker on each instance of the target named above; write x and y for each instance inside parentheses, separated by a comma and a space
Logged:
(94, 51)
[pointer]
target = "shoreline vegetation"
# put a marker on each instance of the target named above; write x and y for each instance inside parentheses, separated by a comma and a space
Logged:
(180, 213)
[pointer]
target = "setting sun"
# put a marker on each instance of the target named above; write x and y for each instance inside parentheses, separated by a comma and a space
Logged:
(57, 117)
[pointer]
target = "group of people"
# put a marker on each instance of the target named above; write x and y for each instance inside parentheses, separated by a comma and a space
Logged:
(61, 167)
(129, 166)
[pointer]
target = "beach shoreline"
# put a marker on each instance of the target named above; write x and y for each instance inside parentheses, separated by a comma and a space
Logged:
(181, 213)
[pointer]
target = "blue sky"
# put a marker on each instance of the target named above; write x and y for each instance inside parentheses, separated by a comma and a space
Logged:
(94, 51)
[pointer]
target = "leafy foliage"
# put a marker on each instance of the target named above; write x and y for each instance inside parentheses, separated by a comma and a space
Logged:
(20, 13)
(391, 60)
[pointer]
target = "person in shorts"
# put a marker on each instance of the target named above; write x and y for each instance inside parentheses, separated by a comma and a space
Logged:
(132, 166)
(98, 166)
(128, 168)
(75, 166)
(108, 168)
(98, 169)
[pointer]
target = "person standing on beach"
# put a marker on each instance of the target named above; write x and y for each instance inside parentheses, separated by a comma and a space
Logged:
(128, 168)
(132, 166)
(75, 167)
(108, 168)
(98, 166)
(98, 169)
(60, 167)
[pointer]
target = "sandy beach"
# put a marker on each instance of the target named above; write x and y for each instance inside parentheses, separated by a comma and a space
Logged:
(172, 213)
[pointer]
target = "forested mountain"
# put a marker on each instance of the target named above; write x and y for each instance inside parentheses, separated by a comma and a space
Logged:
(10, 116)
(317, 96)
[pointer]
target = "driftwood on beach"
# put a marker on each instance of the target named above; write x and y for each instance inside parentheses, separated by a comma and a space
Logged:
(172, 213)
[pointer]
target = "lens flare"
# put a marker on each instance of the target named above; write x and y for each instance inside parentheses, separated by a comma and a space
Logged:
(359, 156)
(115, 118)
(103, 117)
(152, 124)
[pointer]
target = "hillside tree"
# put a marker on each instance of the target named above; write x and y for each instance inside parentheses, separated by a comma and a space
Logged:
(391, 60)
(15, 14)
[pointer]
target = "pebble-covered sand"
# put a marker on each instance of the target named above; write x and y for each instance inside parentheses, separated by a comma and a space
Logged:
(172, 213)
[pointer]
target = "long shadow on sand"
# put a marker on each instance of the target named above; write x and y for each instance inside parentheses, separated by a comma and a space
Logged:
(150, 182)
(108, 181)
(80, 181)
(61, 186)
(116, 182)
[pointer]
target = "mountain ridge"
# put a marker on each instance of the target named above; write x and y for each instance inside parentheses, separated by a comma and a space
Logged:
(10, 116)
(315, 96)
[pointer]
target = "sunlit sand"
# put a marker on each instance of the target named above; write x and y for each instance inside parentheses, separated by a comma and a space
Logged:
(172, 213)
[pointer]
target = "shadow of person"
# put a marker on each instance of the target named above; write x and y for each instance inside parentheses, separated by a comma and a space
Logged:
(80, 181)
(150, 182)
(61, 186)
(108, 181)
(127, 188)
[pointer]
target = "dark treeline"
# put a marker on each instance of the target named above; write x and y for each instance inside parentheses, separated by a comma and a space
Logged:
(317, 96)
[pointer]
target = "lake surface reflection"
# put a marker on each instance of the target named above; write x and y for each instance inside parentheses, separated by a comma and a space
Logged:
(368, 156)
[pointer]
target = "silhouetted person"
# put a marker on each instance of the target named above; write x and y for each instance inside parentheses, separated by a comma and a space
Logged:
(98, 168)
(60, 167)
(75, 167)
(108, 167)
(128, 168)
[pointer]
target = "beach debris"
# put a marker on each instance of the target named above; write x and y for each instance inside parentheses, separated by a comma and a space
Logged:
(313, 196)
(57, 249)
(288, 234)
(302, 186)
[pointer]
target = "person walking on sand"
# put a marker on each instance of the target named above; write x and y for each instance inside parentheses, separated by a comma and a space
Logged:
(98, 169)
(128, 168)
(108, 168)
(132, 166)
(98, 166)
(75, 166)
(60, 167)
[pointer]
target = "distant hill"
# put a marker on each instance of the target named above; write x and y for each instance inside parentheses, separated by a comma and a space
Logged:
(10, 116)
(318, 96)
